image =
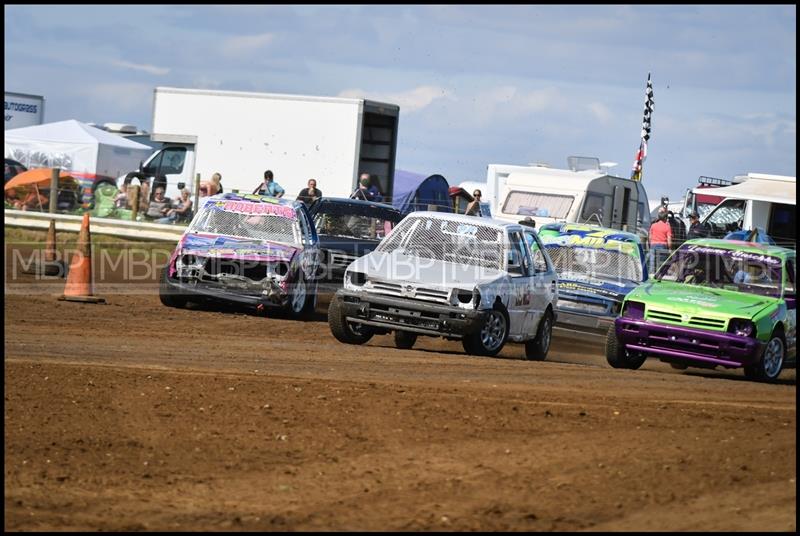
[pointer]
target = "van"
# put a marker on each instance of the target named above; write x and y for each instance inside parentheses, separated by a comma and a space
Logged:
(761, 201)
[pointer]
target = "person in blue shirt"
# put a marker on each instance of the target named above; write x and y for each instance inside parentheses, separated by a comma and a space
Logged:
(269, 186)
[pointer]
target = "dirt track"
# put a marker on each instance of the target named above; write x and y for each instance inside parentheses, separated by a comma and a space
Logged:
(134, 416)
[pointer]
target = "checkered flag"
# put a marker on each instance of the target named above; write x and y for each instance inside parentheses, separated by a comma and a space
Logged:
(641, 154)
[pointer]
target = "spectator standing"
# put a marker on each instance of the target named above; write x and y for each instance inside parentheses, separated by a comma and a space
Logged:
(121, 199)
(696, 229)
(181, 212)
(366, 190)
(159, 206)
(660, 239)
(310, 194)
(474, 206)
(677, 227)
(269, 186)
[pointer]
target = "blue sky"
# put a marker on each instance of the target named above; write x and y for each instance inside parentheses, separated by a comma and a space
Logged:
(476, 84)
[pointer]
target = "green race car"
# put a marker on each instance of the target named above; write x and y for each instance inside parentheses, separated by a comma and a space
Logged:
(713, 303)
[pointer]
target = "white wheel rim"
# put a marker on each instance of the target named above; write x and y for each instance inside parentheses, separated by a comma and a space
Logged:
(299, 296)
(493, 331)
(773, 357)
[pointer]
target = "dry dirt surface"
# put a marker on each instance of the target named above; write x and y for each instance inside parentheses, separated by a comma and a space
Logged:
(135, 416)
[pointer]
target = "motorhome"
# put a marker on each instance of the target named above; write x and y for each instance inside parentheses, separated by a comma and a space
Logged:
(758, 201)
(584, 193)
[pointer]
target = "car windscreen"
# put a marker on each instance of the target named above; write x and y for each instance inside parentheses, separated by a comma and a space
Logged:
(449, 241)
(276, 223)
(713, 267)
(621, 265)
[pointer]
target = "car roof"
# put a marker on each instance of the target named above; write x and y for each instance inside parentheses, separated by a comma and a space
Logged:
(563, 228)
(253, 198)
(740, 245)
(473, 220)
(351, 202)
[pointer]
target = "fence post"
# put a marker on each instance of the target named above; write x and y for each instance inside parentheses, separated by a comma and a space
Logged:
(54, 190)
(196, 193)
(133, 195)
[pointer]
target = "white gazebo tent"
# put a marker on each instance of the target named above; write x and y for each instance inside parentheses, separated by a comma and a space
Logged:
(74, 146)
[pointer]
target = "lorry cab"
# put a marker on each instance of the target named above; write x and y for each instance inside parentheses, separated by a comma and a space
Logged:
(584, 193)
(765, 202)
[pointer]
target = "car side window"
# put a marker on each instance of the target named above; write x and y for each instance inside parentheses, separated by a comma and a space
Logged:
(540, 264)
(519, 261)
(791, 277)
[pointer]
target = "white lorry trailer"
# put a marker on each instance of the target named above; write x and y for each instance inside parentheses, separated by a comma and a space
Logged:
(240, 135)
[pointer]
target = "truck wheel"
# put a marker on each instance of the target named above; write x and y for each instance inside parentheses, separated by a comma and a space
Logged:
(616, 354)
(167, 294)
(404, 339)
(344, 331)
(492, 335)
(536, 348)
(770, 364)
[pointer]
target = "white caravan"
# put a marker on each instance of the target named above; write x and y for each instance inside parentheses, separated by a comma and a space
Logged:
(584, 193)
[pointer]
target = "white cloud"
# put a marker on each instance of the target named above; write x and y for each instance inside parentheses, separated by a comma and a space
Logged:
(152, 69)
(245, 44)
(409, 101)
(600, 111)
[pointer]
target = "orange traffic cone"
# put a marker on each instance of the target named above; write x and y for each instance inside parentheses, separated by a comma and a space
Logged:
(79, 279)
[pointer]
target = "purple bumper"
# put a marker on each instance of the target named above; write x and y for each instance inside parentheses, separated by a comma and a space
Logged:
(688, 344)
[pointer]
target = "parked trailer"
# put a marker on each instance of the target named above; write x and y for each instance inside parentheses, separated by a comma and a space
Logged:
(240, 135)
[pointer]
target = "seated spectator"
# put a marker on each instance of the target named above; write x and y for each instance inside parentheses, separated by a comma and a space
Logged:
(310, 194)
(212, 187)
(35, 200)
(159, 206)
(121, 199)
(182, 212)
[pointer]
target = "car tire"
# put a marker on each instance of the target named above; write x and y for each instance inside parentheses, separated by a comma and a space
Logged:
(344, 331)
(771, 361)
(299, 299)
(536, 349)
(616, 354)
(169, 296)
(490, 338)
(404, 339)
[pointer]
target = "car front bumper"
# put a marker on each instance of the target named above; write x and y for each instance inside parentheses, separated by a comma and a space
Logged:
(672, 343)
(403, 314)
(212, 292)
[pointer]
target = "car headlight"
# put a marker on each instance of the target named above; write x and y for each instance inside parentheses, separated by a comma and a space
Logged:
(476, 298)
(633, 310)
(742, 327)
(357, 278)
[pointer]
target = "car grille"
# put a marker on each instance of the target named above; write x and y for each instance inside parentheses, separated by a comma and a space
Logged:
(694, 321)
(420, 293)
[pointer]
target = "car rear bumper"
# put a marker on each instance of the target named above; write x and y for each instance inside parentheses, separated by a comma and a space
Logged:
(403, 314)
(570, 319)
(679, 343)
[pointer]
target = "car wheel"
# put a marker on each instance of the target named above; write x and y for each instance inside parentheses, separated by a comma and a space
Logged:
(344, 331)
(616, 354)
(169, 296)
(490, 338)
(536, 349)
(770, 364)
(297, 305)
(404, 339)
